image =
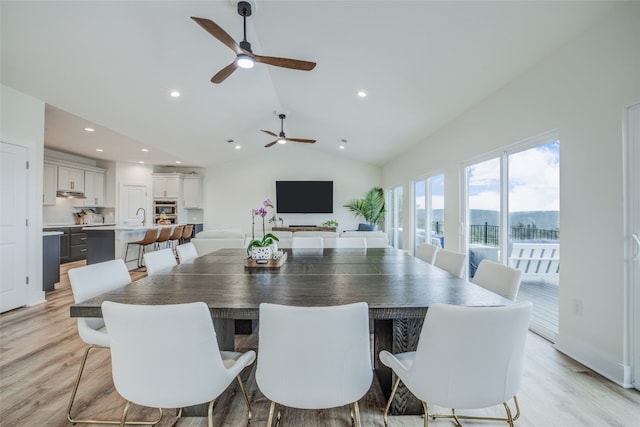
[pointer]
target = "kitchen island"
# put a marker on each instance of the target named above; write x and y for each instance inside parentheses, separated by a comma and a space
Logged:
(110, 242)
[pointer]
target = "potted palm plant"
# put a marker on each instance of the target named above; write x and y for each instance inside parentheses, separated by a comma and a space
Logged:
(370, 208)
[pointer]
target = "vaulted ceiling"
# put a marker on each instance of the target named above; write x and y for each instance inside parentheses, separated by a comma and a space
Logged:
(112, 65)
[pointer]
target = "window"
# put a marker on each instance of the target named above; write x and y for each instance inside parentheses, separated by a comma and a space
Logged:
(428, 211)
(395, 217)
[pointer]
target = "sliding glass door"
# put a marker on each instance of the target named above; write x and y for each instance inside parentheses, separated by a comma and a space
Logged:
(428, 211)
(513, 217)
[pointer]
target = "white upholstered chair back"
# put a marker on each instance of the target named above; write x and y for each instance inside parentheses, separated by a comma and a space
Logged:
(167, 356)
(307, 242)
(159, 260)
(467, 357)
(427, 252)
(498, 278)
(314, 357)
(186, 251)
(451, 261)
(90, 281)
(351, 242)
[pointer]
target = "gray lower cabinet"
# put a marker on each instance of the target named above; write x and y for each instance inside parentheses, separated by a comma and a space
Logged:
(50, 261)
(73, 244)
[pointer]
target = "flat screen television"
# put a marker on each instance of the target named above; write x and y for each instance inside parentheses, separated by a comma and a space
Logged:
(304, 196)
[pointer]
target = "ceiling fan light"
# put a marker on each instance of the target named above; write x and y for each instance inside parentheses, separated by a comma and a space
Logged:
(282, 140)
(244, 61)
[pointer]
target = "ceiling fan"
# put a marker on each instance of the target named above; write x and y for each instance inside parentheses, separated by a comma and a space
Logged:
(245, 57)
(281, 137)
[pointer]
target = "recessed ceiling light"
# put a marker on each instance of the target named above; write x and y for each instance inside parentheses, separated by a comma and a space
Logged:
(238, 147)
(99, 149)
(178, 161)
(341, 147)
(141, 161)
(145, 149)
(87, 129)
(342, 143)
(362, 94)
(175, 94)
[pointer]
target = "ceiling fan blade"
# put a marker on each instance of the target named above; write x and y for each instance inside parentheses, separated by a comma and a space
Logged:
(306, 141)
(270, 133)
(224, 73)
(216, 31)
(295, 64)
(270, 144)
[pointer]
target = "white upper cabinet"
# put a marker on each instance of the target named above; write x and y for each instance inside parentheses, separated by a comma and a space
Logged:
(70, 179)
(192, 192)
(94, 188)
(49, 184)
(166, 186)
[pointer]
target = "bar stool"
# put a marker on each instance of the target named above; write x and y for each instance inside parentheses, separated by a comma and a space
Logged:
(186, 234)
(175, 237)
(149, 238)
(163, 236)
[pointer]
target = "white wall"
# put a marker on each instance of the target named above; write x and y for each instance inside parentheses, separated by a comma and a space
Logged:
(233, 189)
(581, 90)
(22, 123)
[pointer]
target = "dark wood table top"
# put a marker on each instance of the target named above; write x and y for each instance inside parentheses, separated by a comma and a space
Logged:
(393, 283)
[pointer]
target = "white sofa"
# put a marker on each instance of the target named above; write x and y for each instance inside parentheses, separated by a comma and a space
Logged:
(212, 240)
(375, 239)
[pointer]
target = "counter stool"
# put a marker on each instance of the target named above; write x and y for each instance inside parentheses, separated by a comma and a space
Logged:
(148, 239)
(163, 236)
(174, 240)
(186, 234)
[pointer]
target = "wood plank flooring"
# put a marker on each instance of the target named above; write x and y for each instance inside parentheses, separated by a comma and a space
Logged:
(40, 353)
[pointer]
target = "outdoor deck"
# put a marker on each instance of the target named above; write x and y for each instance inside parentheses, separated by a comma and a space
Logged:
(544, 295)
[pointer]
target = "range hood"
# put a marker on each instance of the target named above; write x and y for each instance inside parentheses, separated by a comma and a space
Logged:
(70, 194)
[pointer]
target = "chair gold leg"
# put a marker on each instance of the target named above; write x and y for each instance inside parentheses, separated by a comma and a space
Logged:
(210, 413)
(356, 411)
(425, 407)
(246, 398)
(75, 391)
(393, 392)
(508, 419)
(271, 409)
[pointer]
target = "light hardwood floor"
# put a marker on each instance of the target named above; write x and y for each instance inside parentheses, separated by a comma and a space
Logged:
(40, 352)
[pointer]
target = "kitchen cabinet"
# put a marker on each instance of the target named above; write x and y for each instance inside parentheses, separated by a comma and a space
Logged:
(70, 179)
(94, 188)
(77, 245)
(167, 186)
(49, 184)
(192, 192)
(50, 261)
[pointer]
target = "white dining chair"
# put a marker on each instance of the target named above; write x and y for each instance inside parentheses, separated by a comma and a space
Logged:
(351, 242)
(451, 261)
(498, 278)
(186, 251)
(167, 356)
(307, 243)
(467, 358)
(427, 252)
(314, 357)
(87, 282)
(159, 260)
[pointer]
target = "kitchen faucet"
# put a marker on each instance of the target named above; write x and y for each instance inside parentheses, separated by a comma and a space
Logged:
(144, 216)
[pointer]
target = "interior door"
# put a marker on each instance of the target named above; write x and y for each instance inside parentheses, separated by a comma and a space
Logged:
(634, 219)
(13, 226)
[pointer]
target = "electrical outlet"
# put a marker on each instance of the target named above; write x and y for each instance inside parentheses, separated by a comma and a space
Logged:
(577, 306)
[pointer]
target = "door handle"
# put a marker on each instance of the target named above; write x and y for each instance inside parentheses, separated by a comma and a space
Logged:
(635, 238)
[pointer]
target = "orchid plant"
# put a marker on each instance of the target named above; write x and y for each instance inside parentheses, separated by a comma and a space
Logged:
(267, 238)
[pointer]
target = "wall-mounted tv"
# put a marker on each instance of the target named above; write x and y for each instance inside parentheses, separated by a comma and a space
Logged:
(304, 196)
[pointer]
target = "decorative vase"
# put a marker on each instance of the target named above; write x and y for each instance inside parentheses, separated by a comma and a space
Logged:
(261, 252)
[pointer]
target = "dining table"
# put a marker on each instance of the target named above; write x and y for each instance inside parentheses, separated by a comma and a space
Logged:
(397, 287)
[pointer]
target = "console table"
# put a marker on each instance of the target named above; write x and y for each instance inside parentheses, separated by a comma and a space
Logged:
(303, 228)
